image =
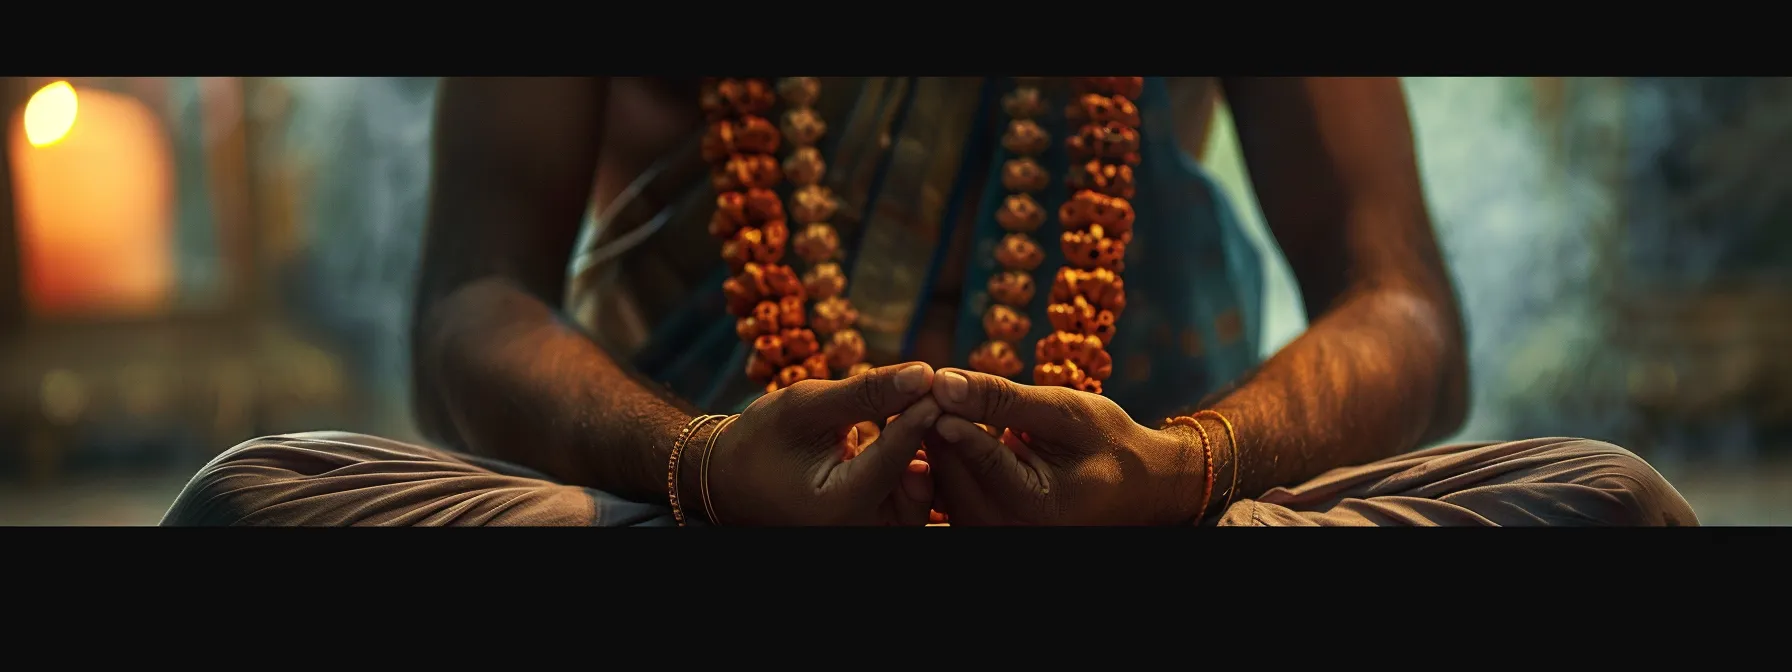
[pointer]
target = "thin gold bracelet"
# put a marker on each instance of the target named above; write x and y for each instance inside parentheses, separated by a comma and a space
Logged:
(678, 446)
(1237, 455)
(709, 449)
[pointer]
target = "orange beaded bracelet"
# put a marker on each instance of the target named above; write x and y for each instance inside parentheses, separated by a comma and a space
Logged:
(678, 446)
(1206, 459)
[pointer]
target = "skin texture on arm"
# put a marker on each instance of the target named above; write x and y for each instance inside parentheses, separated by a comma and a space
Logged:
(497, 369)
(1382, 367)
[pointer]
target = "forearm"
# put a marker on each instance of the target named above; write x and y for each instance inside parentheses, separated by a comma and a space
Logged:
(1377, 375)
(505, 376)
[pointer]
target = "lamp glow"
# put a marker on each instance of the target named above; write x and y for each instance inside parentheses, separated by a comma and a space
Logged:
(50, 114)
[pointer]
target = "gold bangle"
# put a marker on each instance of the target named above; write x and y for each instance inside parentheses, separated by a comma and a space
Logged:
(709, 449)
(1206, 459)
(1237, 455)
(678, 445)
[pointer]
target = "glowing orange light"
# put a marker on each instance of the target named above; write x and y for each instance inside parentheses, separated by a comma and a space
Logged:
(95, 203)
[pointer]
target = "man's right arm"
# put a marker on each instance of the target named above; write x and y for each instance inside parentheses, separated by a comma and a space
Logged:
(497, 369)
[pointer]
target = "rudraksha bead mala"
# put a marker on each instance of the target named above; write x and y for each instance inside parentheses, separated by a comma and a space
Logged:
(771, 303)
(831, 316)
(1005, 322)
(1088, 295)
(765, 296)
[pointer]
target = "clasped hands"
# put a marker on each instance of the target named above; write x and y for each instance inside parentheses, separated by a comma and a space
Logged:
(811, 454)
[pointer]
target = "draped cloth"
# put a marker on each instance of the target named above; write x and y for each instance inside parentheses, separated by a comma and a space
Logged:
(341, 479)
(646, 280)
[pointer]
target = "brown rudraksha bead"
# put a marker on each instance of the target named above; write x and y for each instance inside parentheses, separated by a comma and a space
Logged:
(1023, 175)
(1061, 374)
(1012, 288)
(799, 91)
(1107, 179)
(825, 280)
(1129, 87)
(804, 166)
(832, 315)
(746, 135)
(790, 312)
(1003, 323)
(1026, 138)
(845, 348)
(799, 343)
(1075, 315)
(996, 358)
(817, 243)
(725, 98)
(1086, 351)
(771, 349)
(749, 328)
(781, 281)
(803, 126)
(1102, 287)
(1094, 108)
(792, 375)
(1017, 252)
(817, 366)
(1088, 208)
(767, 313)
(747, 171)
(762, 245)
(1087, 250)
(813, 203)
(1111, 141)
(1024, 103)
(1020, 214)
(741, 296)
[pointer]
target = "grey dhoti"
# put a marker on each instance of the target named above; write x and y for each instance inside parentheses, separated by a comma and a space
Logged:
(343, 479)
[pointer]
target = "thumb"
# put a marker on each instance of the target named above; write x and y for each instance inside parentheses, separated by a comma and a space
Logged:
(875, 473)
(872, 395)
(1002, 403)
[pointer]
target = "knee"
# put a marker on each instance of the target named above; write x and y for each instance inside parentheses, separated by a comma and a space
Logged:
(1628, 490)
(226, 490)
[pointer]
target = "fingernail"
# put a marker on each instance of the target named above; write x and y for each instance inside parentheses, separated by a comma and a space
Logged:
(911, 379)
(954, 385)
(950, 432)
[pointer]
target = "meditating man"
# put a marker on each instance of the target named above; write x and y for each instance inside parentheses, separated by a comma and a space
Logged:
(1062, 310)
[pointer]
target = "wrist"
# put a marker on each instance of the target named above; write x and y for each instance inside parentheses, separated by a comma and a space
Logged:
(693, 492)
(1182, 484)
(661, 437)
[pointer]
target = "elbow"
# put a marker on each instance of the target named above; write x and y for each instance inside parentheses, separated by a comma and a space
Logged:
(429, 409)
(1453, 397)
(450, 321)
(1434, 318)
(1451, 409)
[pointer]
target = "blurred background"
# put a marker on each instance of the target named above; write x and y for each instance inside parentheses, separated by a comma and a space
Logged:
(255, 239)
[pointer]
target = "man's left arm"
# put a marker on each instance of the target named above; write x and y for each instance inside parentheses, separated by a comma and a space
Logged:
(1381, 367)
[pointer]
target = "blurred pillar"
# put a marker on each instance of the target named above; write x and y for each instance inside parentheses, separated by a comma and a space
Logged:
(257, 96)
(225, 119)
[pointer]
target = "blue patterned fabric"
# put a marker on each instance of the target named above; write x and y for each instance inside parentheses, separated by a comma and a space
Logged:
(1194, 281)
